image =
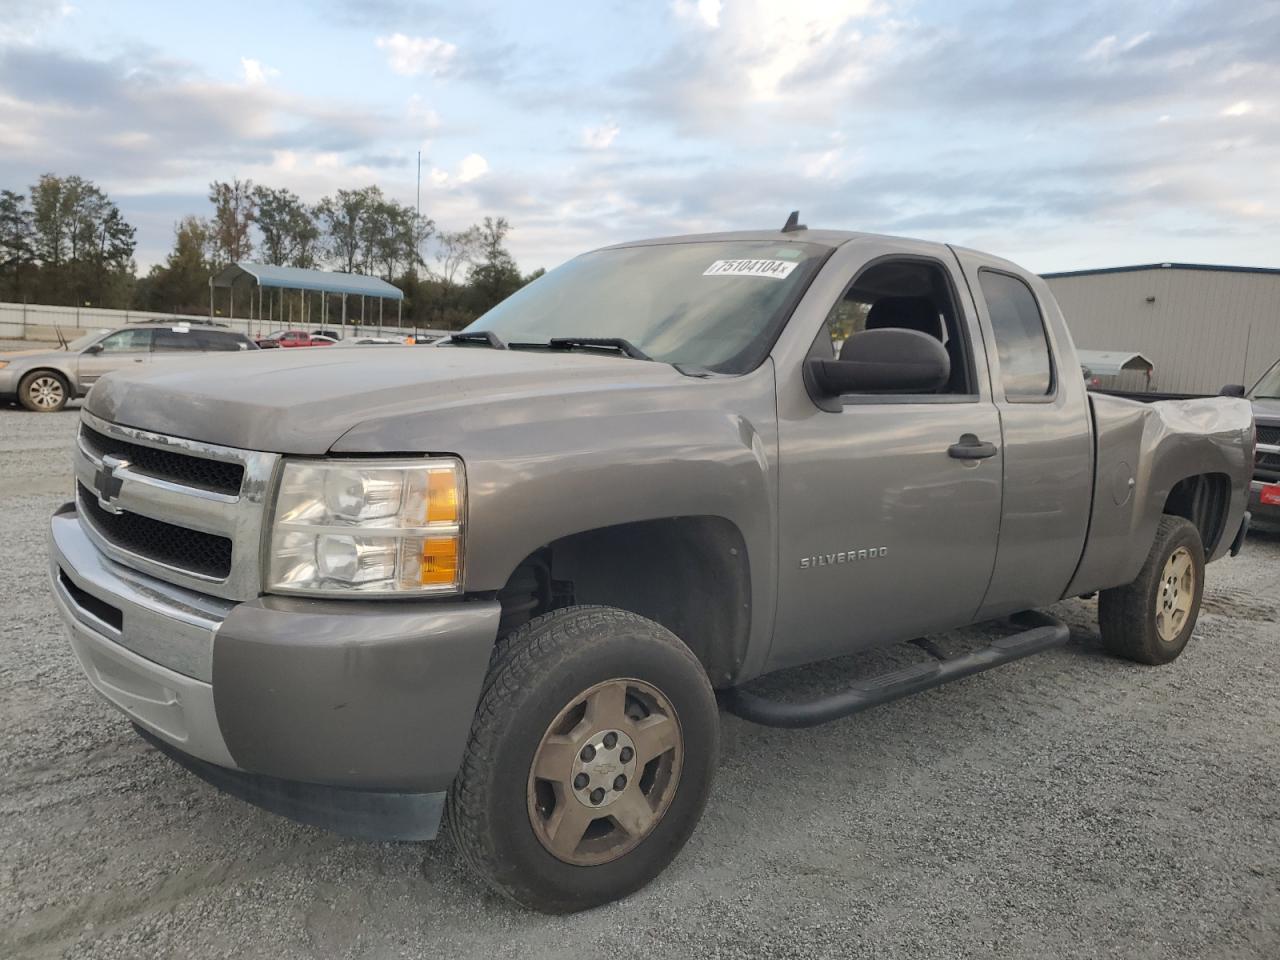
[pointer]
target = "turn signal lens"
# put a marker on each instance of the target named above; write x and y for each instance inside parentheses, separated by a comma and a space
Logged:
(439, 561)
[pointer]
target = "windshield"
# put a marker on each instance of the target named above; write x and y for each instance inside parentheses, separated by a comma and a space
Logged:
(717, 305)
(1268, 387)
(79, 343)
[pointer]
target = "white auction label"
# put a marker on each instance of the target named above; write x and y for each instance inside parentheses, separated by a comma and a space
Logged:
(774, 269)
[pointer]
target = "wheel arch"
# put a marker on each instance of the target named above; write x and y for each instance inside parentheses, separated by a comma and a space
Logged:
(690, 574)
(1205, 500)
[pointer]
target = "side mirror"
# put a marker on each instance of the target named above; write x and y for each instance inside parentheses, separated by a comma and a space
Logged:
(889, 360)
(94, 348)
(1232, 390)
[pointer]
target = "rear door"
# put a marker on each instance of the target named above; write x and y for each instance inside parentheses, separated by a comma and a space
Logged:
(123, 349)
(1047, 436)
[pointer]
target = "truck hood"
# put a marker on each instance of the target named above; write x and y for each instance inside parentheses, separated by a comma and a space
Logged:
(304, 401)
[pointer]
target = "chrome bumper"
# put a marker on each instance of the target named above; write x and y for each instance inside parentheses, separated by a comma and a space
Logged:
(146, 646)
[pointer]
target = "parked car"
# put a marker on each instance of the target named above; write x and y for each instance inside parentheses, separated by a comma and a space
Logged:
(1264, 491)
(295, 338)
(507, 574)
(45, 380)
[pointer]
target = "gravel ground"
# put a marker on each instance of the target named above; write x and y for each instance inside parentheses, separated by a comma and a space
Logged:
(1069, 805)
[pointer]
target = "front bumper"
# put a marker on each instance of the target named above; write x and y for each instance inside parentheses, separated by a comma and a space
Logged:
(1263, 513)
(270, 697)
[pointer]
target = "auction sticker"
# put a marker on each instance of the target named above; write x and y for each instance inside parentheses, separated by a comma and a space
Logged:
(774, 269)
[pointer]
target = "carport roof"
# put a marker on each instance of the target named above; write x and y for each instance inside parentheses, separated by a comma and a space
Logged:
(296, 278)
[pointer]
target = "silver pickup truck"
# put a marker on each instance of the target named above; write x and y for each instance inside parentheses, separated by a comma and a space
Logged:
(503, 580)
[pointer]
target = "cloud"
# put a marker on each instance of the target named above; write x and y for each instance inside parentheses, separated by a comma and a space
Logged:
(255, 72)
(706, 12)
(411, 56)
(602, 137)
(24, 20)
(472, 167)
(1240, 108)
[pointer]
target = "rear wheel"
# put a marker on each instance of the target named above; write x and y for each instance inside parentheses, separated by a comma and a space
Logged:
(1151, 619)
(44, 391)
(590, 759)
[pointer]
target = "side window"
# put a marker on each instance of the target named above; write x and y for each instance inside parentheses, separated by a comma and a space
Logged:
(169, 341)
(1026, 370)
(206, 340)
(128, 341)
(905, 294)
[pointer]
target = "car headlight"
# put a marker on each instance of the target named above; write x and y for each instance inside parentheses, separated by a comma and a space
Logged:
(361, 527)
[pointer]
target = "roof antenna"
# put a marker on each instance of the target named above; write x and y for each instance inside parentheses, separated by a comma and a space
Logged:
(793, 223)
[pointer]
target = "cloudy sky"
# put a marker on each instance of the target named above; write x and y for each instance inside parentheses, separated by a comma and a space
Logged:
(1062, 135)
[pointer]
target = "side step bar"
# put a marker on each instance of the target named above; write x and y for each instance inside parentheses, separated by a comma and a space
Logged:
(1043, 633)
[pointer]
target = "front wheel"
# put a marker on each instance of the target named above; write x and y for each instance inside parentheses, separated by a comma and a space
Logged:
(590, 759)
(1151, 619)
(44, 392)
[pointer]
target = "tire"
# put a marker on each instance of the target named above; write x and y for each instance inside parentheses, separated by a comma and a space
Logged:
(548, 697)
(1151, 619)
(43, 391)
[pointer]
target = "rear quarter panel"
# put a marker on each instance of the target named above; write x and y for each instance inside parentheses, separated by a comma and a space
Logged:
(1143, 450)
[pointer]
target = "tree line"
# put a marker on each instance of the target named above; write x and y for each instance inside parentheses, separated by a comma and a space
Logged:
(65, 242)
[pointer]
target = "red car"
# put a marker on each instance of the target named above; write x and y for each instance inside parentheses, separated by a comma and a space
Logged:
(295, 338)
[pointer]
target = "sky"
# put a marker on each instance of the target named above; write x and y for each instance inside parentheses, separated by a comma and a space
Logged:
(1060, 135)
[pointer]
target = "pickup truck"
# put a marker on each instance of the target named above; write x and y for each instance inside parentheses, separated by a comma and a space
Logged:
(1264, 492)
(500, 583)
(295, 338)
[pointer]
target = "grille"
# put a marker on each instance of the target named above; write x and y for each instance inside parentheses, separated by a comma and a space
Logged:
(1269, 435)
(1268, 461)
(203, 553)
(212, 475)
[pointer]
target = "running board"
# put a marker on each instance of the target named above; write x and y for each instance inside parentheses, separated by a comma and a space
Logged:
(1043, 633)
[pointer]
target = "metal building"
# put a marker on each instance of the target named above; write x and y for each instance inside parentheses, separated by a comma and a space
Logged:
(1201, 326)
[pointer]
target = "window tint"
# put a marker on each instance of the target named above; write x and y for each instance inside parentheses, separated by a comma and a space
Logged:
(208, 340)
(170, 340)
(1025, 367)
(127, 341)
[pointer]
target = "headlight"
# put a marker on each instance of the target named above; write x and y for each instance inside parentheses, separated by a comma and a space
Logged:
(368, 527)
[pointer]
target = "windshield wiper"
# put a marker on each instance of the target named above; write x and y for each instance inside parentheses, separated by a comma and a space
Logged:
(625, 347)
(487, 337)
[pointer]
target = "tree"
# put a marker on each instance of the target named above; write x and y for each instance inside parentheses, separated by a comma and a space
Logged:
(233, 214)
(181, 285)
(16, 251)
(288, 227)
(343, 217)
(455, 251)
(495, 277)
(82, 242)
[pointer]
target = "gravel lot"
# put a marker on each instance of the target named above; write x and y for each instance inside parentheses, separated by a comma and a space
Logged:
(1069, 805)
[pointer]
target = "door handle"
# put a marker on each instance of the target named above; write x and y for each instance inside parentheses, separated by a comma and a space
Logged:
(971, 448)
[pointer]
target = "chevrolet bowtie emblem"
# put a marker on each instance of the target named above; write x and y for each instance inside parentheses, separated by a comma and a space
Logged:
(108, 483)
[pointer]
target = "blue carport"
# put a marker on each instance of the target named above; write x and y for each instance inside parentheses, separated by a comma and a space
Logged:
(266, 276)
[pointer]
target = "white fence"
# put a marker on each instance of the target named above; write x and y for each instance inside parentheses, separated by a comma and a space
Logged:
(34, 321)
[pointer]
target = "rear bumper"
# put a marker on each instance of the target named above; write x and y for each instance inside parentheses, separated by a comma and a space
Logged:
(300, 706)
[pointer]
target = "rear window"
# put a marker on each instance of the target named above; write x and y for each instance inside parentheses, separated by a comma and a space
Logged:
(1026, 370)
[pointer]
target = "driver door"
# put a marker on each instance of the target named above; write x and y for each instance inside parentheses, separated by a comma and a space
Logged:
(122, 349)
(886, 532)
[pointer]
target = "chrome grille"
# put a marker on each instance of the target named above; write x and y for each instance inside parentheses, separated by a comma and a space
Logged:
(187, 512)
(206, 554)
(165, 464)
